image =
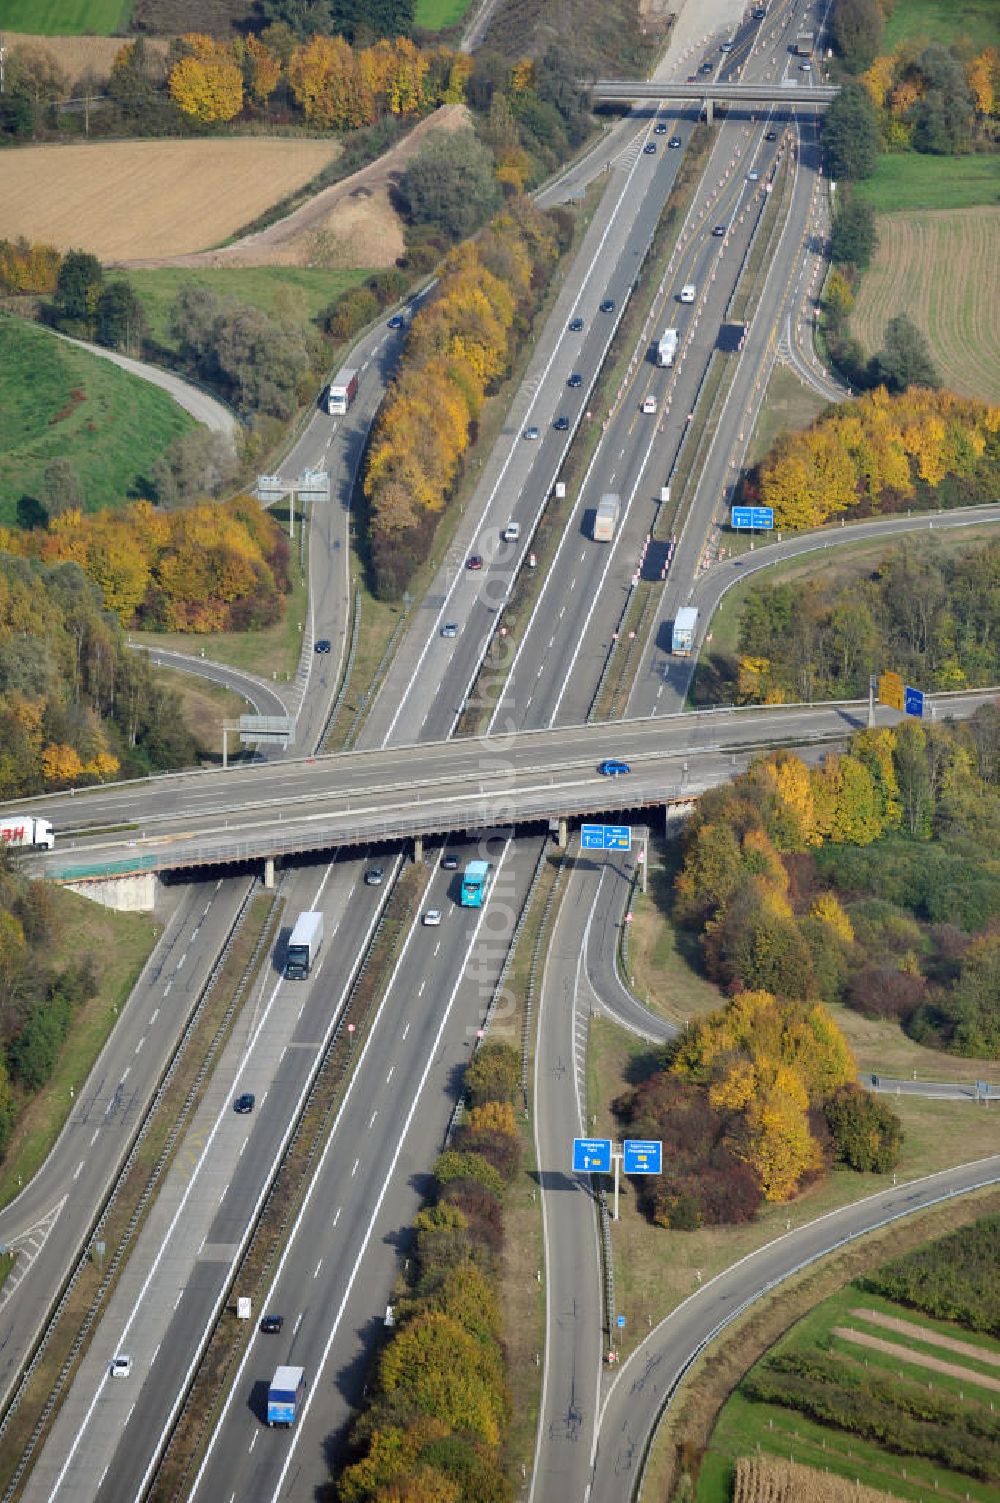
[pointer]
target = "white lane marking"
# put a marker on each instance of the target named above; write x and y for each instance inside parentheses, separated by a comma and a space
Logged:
(125, 1075)
(298, 1322)
(167, 988)
(140, 1043)
(153, 1019)
(372, 1122)
(355, 1169)
(406, 1030)
(337, 1216)
(180, 1296)
(76, 1172)
(389, 1076)
(319, 1265)
(182, 960)
(422, 985)
(94, 1138)
(153, 1357)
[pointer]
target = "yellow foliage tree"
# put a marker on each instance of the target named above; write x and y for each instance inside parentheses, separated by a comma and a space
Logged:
(829, 910)
(878, 80)
(789, 776)
(60, 763)
(263, 69)
(981, 74)
(206, 83)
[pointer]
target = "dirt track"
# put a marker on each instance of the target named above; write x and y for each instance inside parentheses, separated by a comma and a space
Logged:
(351, 223)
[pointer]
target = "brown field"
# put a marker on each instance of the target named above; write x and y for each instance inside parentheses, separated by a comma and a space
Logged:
(768, 1479)
(78, 56)
(941, 268)
(129, 199)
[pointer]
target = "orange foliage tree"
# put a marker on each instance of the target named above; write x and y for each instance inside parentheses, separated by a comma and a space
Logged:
(206, 83)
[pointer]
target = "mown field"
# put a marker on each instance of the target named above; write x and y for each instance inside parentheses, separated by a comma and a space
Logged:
(908, 180)
(974, 21)
(872, 1389)
(137, 200)
(942, 270)
(285, 289)
(60, 402)
(65, 17)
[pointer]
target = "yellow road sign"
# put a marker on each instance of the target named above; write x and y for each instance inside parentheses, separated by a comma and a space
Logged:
(891, 691)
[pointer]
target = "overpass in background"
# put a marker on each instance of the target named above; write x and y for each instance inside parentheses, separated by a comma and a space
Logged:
(632, 90)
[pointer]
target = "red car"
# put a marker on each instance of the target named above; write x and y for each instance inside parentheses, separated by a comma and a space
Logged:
(474, 561)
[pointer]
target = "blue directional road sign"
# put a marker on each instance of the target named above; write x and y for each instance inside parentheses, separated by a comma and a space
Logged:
(620, 1322)
(756, 518)
(606, 837)
(643, 1156)
(913, 701)
(591, 1155)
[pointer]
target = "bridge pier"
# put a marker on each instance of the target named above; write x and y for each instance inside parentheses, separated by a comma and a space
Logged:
(707, 110)
(418, 849)
(562, 834)
(268, 872)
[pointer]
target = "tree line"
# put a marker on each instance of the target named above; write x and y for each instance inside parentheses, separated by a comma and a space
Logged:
(38, 1000)
(214, 566)
(438, 1401)
(880, 453)
(868, 880)
(459, 348)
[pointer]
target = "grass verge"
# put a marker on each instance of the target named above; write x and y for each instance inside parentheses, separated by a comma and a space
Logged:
(947, 21)
(788, 406)
(89, 1294)
(687, 1425)
(118, 945)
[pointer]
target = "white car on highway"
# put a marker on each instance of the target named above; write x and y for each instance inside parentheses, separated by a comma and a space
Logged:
(432, 918)
(688, 292)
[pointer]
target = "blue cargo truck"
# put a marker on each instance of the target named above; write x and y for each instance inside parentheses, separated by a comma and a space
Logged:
(285, 1395)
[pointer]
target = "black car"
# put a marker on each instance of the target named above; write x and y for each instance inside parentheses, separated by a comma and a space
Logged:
(575, 380)
(608, 306)
(674, 142)
(660, 128)
(706, 68)
(770, 135)
(561, 424)
(649, 150)
(244, 1103)
(575, 325)
(719, 230)
(271, 1324)
(323, 645)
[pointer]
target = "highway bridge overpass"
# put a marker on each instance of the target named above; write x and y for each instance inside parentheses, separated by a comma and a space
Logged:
(634, 90)
(270, 812)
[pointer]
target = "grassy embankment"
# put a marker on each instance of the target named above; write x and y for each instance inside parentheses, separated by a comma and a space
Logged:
(65, 17)
(61, 402)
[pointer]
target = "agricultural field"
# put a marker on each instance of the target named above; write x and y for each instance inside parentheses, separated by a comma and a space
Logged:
(908, 180)
(60, 402)
(941, 269)
(78, 56)
(299, 291)
(65, 17)
(873, 1389)
(974, 21)
(140, 200)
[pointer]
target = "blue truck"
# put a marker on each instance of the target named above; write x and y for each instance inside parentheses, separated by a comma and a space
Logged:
(475, 880)
(285, 1395)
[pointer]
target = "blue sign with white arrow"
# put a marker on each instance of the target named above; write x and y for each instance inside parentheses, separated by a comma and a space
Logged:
(913, 701)
(591, 1155)
(606, 837)
(755, 518)
(643, 1156)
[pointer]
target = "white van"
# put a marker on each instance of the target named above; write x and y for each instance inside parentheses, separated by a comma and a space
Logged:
(512, 532)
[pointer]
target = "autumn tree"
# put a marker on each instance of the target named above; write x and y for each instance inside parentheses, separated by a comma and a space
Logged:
(261, 69)
(867, 1134)
(857, 27)
(206, 82)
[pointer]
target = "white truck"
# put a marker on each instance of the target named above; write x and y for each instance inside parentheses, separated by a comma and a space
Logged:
(606, 517)
(26, 833)
(666, 347)
(304, 944)
(685, 627)
(341, 392)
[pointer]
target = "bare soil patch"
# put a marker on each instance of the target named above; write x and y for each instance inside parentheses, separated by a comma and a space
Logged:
(917, 1359)
(918, 1332)
(941, 269)
(351, 223)
(125, 199)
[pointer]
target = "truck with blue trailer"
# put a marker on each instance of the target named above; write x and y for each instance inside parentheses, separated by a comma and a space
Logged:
(475, 879)
(285, 1396)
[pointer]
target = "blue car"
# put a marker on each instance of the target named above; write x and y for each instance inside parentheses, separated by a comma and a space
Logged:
(396, 321)
(611, 768)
